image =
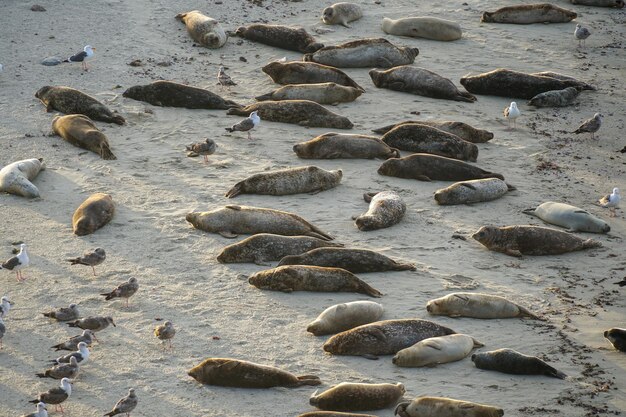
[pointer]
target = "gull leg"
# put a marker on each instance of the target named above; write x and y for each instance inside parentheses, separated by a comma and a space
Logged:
(206, 159)
(249, 135)
(94, 271)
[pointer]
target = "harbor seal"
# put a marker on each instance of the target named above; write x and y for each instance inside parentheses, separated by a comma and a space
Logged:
(439, 407)
(418, 138)
(555, 98)
(338, 145)
(462, 130)
(364, 53)
(477, 305)
(80, 131)
(617, 337)
(436, 350)
(526, 14)
(205, 30)
(322, 93)
(531, 240)
(426, 167)
(280, 36)
(227, 372)
(341, 14)
(170, 94)
(349, 396)
(300, 112)
(231, 220)
(573, 218)
(385, 337)
(619, 4)
(70, 101)
(386, 209)
(473, 191)
(354, 260)
(309, 179)
(423, 27)
(509, 361)
(345, 316)
(333, 414)
(92, 214)
(311, 278)
(16, 177)
(419, 81)
(307, 73)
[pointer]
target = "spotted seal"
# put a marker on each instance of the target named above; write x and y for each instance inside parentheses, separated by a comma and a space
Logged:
(473, 191)
(573, 218)
(322, 93)
(525, 14)
(342, 14)
(279, 36)
(426, 167)
(619, 4)
(307, 73)
(339, 145)
(439, 407)
(555, 98)
(386, 209)
(300, 112)
(358, 397)
(354, 260)
(71, 101)
(462, 130)
(477, 305)
(423, 27)
(364, 53)
(170, 94)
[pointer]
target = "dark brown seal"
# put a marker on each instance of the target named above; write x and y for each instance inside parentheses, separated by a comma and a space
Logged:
(462, 130)
(617, 337)
(80, 131)
(307, 73)
(526, 14)
(619, 4)
(386, 209)
(70, 101)
(170, 94)
(426, 167)
(364, 53)
(93, 213)
(243, 374)
(353, 260)
(280, 36)
(338, 145)
(358, 397)
(509, 361)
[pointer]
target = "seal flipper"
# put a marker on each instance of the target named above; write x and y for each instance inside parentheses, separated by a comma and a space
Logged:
(308, 380)
(524, 312)
(368, 197)
(227, 235)
(365, 288)
(370, 356)
(106, 153)
(530, 211)
(235, 191)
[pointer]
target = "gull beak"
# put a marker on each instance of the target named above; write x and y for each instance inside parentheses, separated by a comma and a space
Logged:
(93, 49)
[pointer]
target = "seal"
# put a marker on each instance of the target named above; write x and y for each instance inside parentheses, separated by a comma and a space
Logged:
(333, 414)
(419, 81)
(227, 372)
(386, 209)
(341, 14)
(307, 73)
(354, 260)
(617, 337)
(337, 145)
(462, 130)
(80, 131)
(531, 240)
(322, 93)
(206, 31)
(573, 218)
(423, 27)
(70, 101)
(16, 177)
(300, 112)
(170, 94)
(264, 247)
(280, 36)
(418, 138)
(555, 98)
(349, 396)
(426, 167)
(477, 305)
(526, 14)
(439, 406)
(509, 361)
(345, 316)
(309, 179)
(619, 4)
(436, 350)
(92, 214)
(231, 220)
(311, 278)
(473, 191)
(385, 337)
(364, 53)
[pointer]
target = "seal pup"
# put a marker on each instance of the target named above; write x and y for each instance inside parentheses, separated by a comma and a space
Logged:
(419, 138)
(581, 33)
(231, 220)
(419, 81)
(165, 331)
(349, 396)
(509, 361)
(426, 167)
(64, 313)
(16, 177)
(386, 209)
(124, 290)
(611, 201)
(17, 263)
(439, 407)
(590, 125)
(205, 149)
(80, 131)
(347, 146)
(246, 125)
(436, 350)
(573, 218)
(345, 316)
(460, 129)
(71, 344)
(309, 179)
(511, 112)
(300, 112)
(354, 260)
(93, 323)
(170, 94)
(291, 278)
(125, 405)
(341, 14)
(92, 214)
(307, 73)
(555, 98)
(617, 337)
(364, 53)
(600, 3)
(82, 57)
(478, 306)
(531, 240)
(56, 395)
(322, 93)
(423, 27)
(473, 191)
(201, 28)
(62, 370)
(71, 101)
(243, 374)
(280, 36)
(526, 14)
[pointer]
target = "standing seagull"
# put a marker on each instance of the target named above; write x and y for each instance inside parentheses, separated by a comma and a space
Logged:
(166, 331)
(64, 313)
(125, 405)
(205, 149)
(246, 124)
(581, 34)
(82, 57)
(611, 201)
(224, 79)
(55, 395)
(17, 263)
(90, 258)
(81, 355)
(5, 306)
(590, 125)
(125, 290)
(512, 113)
(41, 411)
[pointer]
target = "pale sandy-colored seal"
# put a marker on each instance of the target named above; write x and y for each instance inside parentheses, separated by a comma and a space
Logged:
(16, 177)
(419, 81)
(473, 191)
(555, 98)
(203, 29)
(70, 101)
(92, 214)
(345, 316)
(509, 361)
(386, 209)
(423, 27)
(436, 350)
(333, 414)
(279, 36)
(231, 220)
(339, 145)
(478, 306)
(617, 337)
(322, 93)
(354, 260)
(300, 112)
(462, 130)
(439, 407)
(526, 14)
(426, 167)
(349, 396)
(364, 53)
(619, 4)
(573, 218)
(298, 72)
(171, 94)
(227, 372)
(342, 14)
(309, 179)
(80, 131)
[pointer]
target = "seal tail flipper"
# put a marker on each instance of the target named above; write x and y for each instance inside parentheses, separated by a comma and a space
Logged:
(466, 97)
(105, 153)
(395, 153)
(590, 243)
(315, 232)
(365, 288)
(231, 104)
(557, 374)
(235, 191)
(510, 187)
(264, 97)
(529, 211)
(308, 380)
(237, 111)
(404, 267)
(524, 312)
(119, 120)
(368, 197)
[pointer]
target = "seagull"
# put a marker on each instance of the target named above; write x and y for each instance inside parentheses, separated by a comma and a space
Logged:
(82, 56)
(125, 405)
(62, 370)
(512, 113)
(41, 411)
(205, 148)
(90, 258)
(5, 306)
(17, 263)
(224, 79)
(3, 330)
(64, 313)
(611, 201)
(94, 323)
(166, 331)
(81, 355)
(72, 344)
(55, 395)
(581, 33)
(246, 124)
(590, 125)
(125, 290)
